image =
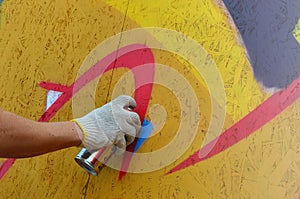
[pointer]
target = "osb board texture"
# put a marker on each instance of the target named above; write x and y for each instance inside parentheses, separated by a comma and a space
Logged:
(48, 41)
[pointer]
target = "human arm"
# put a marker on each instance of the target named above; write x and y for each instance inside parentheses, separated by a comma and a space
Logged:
(21, 137)
(108, 125)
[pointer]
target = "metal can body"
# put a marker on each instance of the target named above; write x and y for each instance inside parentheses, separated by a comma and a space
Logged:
(93, 162)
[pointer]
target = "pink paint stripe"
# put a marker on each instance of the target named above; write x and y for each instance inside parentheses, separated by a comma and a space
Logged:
(256, 119)
(54, 87)
(5, 166)
(130, 57)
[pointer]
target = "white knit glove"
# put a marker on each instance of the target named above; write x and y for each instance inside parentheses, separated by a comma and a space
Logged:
(110, 124)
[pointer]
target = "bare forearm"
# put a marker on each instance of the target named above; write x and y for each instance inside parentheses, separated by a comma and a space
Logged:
(20, 137)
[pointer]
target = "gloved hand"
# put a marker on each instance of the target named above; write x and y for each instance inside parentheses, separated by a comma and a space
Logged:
(110, 124)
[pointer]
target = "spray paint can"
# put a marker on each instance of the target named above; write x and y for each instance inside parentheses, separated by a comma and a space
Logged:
(94, 162)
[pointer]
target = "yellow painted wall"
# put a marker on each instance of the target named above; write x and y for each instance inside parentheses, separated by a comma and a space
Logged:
(49, 40)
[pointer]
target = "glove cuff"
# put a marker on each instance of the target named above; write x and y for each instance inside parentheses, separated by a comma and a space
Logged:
(82, 130)
(93, 137)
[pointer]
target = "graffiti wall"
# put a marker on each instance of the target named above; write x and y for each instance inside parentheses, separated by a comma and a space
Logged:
(218, 86)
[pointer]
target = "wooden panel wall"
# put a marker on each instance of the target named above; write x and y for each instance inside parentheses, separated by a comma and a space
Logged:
(49, 40)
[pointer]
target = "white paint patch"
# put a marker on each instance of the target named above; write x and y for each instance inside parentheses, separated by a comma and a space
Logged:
(52, 96)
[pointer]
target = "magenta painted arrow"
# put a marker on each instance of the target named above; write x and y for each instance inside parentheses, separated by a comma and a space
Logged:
(256, 119)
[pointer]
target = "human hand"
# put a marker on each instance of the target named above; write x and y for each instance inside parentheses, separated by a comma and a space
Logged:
(110, 124)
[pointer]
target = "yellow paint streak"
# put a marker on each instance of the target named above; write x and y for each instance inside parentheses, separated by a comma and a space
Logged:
(296, 31)
(207, 24)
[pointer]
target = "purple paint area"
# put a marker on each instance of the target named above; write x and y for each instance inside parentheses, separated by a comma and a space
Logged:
(267, 31)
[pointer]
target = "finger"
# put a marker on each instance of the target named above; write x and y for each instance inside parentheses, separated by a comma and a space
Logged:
(129, 139)
(120, 144)
(133, 118)
(135, 121)
(130, 123)
(130, 131)
(125, 101)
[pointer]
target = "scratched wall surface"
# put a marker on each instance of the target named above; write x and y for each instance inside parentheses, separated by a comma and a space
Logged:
(49, 41)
